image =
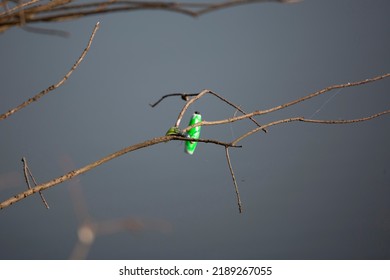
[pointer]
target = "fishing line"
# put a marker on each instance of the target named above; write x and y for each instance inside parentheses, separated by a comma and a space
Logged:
(326, 102)
(231, 127)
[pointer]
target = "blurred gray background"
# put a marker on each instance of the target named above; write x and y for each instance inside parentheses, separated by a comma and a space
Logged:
(309, 191)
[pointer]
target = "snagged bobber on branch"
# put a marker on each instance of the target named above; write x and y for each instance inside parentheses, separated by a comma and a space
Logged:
(194, 132)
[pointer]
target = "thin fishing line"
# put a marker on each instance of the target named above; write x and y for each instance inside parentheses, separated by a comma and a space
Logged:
(231, 126)
(326, 102)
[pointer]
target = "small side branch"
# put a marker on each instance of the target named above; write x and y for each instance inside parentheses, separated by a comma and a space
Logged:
(347, 121)
(27, 173)
(55, 86)
(302, 119)
(234, 179)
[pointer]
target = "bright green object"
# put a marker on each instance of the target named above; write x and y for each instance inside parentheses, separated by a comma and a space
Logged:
(194, 132)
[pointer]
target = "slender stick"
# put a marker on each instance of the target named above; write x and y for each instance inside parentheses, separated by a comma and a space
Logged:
(53, 87)
(302, 119)
(26, 170)
(25, 173)
(234, 179)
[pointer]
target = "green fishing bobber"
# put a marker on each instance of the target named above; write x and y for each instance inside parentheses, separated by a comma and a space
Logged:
(194, 132)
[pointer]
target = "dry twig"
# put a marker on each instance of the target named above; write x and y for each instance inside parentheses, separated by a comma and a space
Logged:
(302, 119)
(200, 95)
(234, 180)
(285, 105)
(105, 159)
(61, 10)
(55, 86)
(264, 127)
(162, 139)
(27, 173)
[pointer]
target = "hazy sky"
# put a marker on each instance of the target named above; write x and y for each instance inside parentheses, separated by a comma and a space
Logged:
(309, 191)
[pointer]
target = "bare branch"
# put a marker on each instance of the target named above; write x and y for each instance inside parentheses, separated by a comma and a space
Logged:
(167, 138)
(234, 179)
(237, 108)
(17, 8)
(223, 5)
(26, 170)
(105, 159)
(347, 121)
(296, 101)
(55, 86)
(60, 10)
(302, 119)
(82, 170)
(212, 141)
(184, 109)
(322, 91)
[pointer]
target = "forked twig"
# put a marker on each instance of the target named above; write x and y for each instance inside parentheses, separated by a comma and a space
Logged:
(237, 108)
(285, 105)
(302, 119)
(276, 108)
(167, 138)
(101, 161)
(264, 127)
(201, 94)
(53, 87)
(26, 170)
(185, 107)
